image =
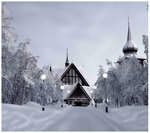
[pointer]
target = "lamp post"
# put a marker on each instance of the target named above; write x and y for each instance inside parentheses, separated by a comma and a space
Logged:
(43, 77)
(105, 77)
(94, 87)
(62, 87)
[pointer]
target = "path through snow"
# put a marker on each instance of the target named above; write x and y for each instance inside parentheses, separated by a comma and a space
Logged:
(83, 119)
(31, 118)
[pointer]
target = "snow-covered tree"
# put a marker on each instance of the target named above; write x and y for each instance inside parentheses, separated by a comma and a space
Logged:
(19, 67)
(126, 83)
(114, 86)
(20, 75)
(26, 66)
(52, 86)
(8, 34)
(132, 80)
(100, 83)
(145, 43)
(8, 62)
(7, 90)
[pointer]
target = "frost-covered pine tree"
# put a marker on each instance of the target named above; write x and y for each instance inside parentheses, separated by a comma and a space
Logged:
(100, 84)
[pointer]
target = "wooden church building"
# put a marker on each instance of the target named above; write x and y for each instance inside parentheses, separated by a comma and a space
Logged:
(76, 89)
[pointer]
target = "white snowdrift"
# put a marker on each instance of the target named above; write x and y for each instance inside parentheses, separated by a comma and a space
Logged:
(30, 117)
(132, 118)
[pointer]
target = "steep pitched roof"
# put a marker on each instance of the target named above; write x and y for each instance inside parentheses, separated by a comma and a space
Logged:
(72, 90)
(67, 90)
(58, 71)
(77, 71)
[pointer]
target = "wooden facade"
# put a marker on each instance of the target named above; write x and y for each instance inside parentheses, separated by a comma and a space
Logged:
(78, 96)
(72, 76)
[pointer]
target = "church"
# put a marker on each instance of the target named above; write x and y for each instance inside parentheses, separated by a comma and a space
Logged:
(76, 89)
(130, 48)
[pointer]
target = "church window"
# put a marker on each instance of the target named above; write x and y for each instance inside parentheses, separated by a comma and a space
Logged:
(71, 77)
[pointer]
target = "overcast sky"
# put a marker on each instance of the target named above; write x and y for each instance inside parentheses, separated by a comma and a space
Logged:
(93, 32)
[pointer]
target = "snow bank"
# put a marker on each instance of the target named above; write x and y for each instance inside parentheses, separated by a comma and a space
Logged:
(132, 118)
(30, 117)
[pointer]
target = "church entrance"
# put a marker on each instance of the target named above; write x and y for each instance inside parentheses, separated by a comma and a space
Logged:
(78, 103)
(78, 97)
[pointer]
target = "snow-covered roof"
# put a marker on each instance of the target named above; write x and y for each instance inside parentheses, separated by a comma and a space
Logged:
(69, 88)
(83, 73)
(130, 55)
(140, 57)
(58, 71)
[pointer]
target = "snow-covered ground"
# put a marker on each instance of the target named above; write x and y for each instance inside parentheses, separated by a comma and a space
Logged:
(29, 117)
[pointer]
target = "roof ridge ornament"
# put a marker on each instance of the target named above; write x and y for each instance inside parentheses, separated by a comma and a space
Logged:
(67, 61)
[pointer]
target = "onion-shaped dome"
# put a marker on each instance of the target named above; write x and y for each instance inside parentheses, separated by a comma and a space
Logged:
(130, 46)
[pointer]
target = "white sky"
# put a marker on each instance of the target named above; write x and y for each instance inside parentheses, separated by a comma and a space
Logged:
(93, 32)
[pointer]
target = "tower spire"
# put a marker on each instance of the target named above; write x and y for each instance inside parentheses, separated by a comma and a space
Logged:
(67, 61)
(50, 68)
(129, 31)
(129, 47)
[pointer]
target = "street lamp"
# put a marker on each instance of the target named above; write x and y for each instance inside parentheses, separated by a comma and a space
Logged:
(43, 77)
(105, 77)
(62, 87)
(94, 87)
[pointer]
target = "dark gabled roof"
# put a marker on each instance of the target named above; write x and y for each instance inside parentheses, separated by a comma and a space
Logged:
(77, 71)
(78, 85)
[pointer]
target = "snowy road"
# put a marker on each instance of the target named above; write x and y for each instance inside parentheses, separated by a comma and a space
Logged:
(30, 117)
(83, 119)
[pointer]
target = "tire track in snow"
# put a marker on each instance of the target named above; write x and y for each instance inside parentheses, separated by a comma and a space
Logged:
(83, 119)
(105, 117)
(55, 119)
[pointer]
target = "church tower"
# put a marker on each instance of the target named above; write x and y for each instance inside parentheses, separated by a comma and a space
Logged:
(67, 61)
(130, 48)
